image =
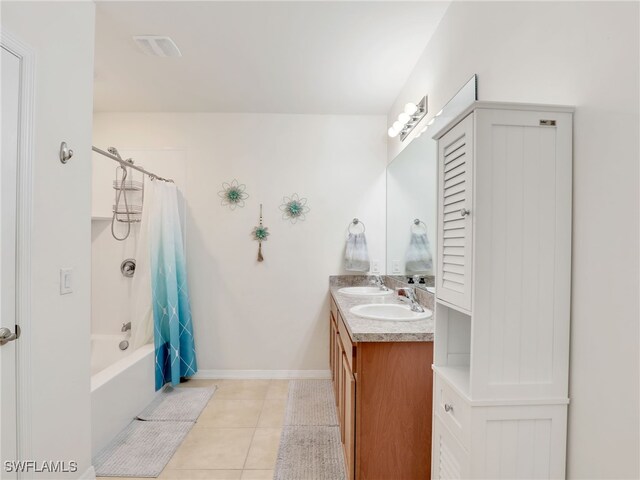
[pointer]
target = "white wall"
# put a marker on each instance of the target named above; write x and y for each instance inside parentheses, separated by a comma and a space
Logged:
(270, 315)
(62, 36)
(582, 54)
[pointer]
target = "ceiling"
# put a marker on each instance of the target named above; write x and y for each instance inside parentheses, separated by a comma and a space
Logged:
(261, 57)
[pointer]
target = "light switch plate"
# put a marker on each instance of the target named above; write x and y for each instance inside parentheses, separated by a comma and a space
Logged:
(66, 281)
(375, 266)
(395, 267)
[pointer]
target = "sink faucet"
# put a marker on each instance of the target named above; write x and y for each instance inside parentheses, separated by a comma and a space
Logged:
(408, 295)
(377, 281)
(126, 327)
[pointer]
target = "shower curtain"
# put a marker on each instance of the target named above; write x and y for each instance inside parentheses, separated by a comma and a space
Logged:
(162, 308)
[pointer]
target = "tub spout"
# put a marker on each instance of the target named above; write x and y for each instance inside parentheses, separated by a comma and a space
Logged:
(126, 327)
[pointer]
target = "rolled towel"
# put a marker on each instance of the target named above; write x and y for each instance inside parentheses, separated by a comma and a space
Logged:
(356, 258)
(418, 258)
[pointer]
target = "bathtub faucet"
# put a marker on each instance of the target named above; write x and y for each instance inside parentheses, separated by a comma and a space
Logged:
(126, 327)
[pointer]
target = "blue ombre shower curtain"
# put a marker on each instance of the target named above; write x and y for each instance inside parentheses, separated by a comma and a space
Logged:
(172, 326)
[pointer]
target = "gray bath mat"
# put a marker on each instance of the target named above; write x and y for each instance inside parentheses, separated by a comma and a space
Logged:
(310, 452)
(141, 450)
(181, 404)
(311, 402)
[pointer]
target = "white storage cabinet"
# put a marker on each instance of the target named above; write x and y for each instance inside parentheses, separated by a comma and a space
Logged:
(503, 289)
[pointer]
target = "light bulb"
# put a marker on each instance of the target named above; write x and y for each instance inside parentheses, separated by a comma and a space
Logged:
(410, 108)
(430, 122)
(392, 132)
(397, 125)
(439, 113)
(424, 129)
(403, 118)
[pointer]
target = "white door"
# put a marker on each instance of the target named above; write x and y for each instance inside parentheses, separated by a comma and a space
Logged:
(10, 99)
(455, 224)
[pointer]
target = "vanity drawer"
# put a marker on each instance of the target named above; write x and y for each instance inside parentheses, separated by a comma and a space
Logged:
(349, 349)
(453, 410)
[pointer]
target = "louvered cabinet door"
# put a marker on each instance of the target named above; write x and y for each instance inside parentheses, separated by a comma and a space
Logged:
(450, 460)
(455, 210)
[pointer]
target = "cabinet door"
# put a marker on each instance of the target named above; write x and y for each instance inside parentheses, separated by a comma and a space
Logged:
(450, 460)
(349, 417)
(338, 379)
(455, 213)
(332, 343)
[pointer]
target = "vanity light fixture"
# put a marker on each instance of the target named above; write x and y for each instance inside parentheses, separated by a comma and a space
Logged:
(408, 119)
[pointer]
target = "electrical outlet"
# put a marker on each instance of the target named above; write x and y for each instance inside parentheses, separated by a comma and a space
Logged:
(375, 266)
(395, 267)
(66, 281)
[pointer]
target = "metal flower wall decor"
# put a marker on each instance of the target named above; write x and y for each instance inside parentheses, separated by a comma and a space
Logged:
(260, 234)
(233, 194)
(294, 208)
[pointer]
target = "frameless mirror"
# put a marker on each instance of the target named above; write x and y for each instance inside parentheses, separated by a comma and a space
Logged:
(412, 180)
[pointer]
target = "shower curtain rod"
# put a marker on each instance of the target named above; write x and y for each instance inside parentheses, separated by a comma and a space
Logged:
(124, 163)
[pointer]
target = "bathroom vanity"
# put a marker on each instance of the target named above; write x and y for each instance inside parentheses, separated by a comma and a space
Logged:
(383, 385)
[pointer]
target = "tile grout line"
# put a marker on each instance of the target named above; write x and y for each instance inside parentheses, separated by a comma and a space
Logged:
(256, 427)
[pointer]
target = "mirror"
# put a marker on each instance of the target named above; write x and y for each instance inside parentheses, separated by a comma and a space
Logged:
(412, 183)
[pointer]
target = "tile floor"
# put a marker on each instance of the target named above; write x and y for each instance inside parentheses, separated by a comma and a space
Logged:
(237, 435)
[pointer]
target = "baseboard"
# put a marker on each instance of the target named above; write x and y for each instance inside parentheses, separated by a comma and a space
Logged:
(262, 374)
(89, 474)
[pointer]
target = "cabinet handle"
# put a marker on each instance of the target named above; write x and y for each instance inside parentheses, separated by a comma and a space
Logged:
(448, 407)
(464, 212)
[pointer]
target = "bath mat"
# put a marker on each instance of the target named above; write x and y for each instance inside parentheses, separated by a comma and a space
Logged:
(181, 404)
(141, 450)
(310, 452)
(311, 402)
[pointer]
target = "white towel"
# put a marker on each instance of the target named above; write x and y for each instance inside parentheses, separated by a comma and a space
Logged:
(356, 258)
(418, 258)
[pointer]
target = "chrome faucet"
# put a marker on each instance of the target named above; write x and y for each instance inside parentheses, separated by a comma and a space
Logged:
(378, 282)
(408, 295)
(126, 327)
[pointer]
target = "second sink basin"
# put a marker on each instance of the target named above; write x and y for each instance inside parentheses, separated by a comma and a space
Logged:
(389, 312)
(364, 291)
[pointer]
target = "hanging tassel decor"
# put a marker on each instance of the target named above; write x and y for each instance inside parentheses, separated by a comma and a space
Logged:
(260, 234)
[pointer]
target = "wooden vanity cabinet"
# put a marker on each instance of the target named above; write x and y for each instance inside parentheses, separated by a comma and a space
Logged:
(384, 394)
(349, 417)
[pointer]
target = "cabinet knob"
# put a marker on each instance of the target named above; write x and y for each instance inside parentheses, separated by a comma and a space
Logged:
(448, 407)
(464, 212)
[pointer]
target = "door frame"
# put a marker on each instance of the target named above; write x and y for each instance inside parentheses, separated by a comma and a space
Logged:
(24, 212)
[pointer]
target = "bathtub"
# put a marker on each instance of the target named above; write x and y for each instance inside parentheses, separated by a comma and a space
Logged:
(122, 384)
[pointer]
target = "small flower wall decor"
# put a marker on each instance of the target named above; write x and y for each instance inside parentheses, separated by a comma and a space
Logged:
(260, 234)
(233, 194)
(294, 208)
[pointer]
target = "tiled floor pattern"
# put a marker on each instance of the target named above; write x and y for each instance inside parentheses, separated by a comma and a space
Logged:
(237, 435)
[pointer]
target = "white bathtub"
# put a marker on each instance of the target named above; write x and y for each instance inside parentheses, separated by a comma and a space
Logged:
(122, 384)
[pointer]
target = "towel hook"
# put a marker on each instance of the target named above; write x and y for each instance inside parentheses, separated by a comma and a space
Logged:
(356, 222)
(65, 152)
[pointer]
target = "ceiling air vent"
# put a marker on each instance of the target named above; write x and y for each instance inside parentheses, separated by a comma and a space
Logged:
(157, 46)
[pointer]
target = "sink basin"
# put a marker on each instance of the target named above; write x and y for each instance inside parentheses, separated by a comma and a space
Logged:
(389, 312)
(364, 291)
